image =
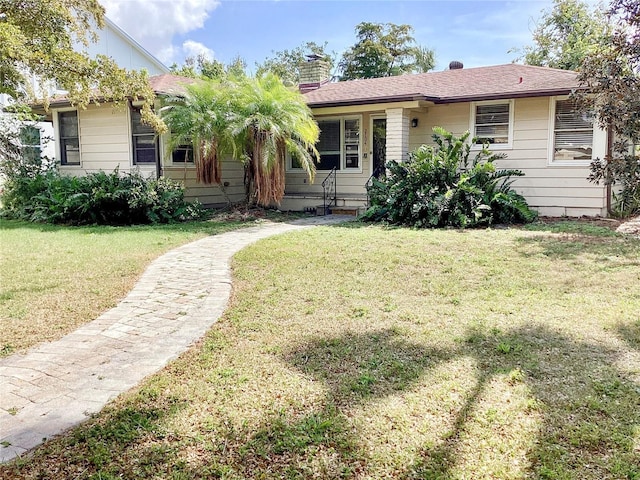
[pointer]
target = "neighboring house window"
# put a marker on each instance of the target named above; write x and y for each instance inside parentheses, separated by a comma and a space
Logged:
(145, 142)
(69, 138)
(492, 123)
(339, 144)
(572, 133)
(30, 143)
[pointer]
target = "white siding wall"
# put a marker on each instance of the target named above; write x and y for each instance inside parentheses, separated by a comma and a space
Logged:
(397, 134)
(211, 195)
(551, 189)
(126, 52)
(105, 142)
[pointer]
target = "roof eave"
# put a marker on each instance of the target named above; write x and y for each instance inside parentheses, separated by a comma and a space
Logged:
(508, 95)
(444, 100)
(372, 100)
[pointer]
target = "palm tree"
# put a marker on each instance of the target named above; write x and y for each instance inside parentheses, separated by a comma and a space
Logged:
(200, 118)
(257, 121)
(268, 122)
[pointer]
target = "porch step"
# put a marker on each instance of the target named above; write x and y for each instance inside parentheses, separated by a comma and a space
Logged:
(346, 210)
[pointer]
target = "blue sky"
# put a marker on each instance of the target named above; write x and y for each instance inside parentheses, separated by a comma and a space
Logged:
(474, 32)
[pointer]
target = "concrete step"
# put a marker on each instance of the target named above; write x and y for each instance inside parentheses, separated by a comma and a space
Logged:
(344, 210)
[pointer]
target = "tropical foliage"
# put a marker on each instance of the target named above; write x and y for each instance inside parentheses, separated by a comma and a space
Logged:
(257, 121)
(384, 50)
(439, 186)
(44, 195)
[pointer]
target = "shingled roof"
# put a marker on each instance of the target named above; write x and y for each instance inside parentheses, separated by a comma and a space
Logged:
(450, 86)
(169, 84)
(164, 84)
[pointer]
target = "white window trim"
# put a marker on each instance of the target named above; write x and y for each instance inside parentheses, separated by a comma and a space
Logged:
(598, 148)
(472, 124)
(343, 160)
(58, 138)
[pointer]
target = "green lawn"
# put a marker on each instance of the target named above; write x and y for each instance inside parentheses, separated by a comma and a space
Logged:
(55, 278)
(362, 352)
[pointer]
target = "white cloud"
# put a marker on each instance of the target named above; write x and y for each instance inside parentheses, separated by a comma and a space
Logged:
(195, 49)
(153, 23)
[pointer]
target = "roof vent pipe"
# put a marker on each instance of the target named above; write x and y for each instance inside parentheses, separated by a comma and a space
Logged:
(456, 65)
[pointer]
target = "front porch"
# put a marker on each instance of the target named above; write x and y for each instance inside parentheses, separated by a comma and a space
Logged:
(355, 143)
(343, 204)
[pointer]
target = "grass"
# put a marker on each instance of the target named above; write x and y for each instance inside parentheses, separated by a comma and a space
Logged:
(363, 352)
(56, 278)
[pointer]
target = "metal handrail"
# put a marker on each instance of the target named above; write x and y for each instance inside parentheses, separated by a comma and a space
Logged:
(327, 184)
(376, 174)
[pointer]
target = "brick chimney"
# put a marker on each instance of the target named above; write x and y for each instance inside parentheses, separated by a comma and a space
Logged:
(313, 73)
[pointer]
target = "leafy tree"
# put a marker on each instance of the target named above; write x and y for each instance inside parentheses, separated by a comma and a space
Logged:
(384, 50)
(285, 63)
(258, 121)
(611, 73)
(38, 37)
(564, 35)
(204, 67)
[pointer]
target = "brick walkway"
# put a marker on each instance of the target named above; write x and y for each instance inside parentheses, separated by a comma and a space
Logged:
(181, 294)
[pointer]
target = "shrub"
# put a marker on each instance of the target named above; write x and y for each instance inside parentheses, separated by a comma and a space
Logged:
(439, 187)
(98, 198)
(623, 171)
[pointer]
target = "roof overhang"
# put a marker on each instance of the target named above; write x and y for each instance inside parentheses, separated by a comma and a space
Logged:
(369, 107)
(433, 100)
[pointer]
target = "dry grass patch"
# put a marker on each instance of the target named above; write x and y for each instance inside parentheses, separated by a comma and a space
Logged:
(360, 352)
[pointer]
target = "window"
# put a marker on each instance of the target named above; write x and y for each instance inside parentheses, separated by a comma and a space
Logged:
(572, 133)
(69, 138)
(329, 144)
(182, 154)
(339, 144)
(352, 143)
(145, 143)
(492, 123)
(31, 144)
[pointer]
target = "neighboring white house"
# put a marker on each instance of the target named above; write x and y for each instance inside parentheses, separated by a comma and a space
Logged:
(112, 42)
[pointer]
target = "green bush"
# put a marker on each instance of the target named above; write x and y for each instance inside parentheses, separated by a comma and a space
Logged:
(439, 187)
(98, 198)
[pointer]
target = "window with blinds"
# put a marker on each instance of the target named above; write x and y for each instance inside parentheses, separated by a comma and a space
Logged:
(145, 142)
(339, 144)
(492, 122)
(329, 144)
(572, 134)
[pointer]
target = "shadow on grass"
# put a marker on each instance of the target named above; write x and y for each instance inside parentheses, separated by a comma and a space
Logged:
(588, 409)
(585, 409)
(630, 333)
(99, 449)
(355, 368)
(571, 245)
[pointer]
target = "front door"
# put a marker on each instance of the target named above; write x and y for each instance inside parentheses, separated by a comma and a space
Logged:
(379, 145)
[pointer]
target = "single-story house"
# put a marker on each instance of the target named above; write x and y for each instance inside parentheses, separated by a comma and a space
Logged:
(522, 111)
